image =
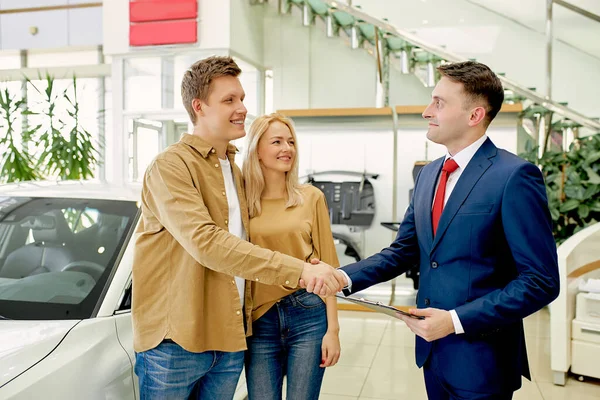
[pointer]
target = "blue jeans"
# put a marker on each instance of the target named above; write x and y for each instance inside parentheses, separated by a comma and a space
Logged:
(169, 372)
(287, 341)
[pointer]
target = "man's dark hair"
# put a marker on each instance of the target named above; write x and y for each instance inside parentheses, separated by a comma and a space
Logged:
(480, 84)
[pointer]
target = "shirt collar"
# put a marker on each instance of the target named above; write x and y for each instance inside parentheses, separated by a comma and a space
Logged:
(203, 147)
(463, 157)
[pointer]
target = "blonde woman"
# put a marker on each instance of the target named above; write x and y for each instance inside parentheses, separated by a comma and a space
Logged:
(294, 333)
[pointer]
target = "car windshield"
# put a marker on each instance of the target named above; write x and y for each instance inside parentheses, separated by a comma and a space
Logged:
(57, 254)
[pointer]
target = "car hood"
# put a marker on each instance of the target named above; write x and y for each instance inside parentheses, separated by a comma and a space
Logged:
(24, 343)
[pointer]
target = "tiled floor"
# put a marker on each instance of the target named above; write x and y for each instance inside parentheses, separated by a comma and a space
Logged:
(378, 362)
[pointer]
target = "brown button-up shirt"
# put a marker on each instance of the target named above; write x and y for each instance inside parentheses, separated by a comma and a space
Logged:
(185, 259)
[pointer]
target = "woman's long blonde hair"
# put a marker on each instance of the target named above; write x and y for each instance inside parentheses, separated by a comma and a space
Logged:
(253, 176)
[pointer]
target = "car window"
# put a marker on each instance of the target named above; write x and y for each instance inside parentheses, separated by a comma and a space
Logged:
(57, 254)
(126, 302)
(79, 220)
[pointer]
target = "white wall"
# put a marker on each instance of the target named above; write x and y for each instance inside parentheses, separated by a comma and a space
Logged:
(366, 144)
(313, 71)
(213, 26)
(504, 45)
(247, 32)
(55, 28)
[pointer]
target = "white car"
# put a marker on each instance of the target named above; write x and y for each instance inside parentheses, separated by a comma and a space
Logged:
(66, 251)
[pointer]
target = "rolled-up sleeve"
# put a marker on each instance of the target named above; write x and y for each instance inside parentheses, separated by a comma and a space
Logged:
(169, 193)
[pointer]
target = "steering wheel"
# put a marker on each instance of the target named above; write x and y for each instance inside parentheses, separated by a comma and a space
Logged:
(87, 267)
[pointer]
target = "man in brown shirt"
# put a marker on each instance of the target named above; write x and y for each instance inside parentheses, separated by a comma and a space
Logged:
(190, 306)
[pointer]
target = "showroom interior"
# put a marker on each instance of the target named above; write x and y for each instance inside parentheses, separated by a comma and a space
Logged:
(355, 77)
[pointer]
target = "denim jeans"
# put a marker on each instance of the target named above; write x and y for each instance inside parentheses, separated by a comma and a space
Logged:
(169, 372)
(287, 341)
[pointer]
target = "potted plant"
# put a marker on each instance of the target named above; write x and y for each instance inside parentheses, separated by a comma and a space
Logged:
(58, 145)
(572, 184)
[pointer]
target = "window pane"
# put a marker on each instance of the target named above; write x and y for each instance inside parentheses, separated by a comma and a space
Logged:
(87, 97)
(250, 80)
(148, 146)
(89, 107)
(14, 94)
(142, 83)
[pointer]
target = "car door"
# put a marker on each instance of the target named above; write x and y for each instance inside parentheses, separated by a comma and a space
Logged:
(125, 332)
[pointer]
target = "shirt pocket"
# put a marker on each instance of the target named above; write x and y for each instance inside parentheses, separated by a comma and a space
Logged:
(476, 208)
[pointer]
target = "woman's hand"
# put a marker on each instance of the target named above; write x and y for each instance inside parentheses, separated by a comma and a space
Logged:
(330, 349)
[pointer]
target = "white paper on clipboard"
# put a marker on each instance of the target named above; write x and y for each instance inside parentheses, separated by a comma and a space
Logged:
(378, 306)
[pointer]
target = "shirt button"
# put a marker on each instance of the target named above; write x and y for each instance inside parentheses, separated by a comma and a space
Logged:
(224, 194)
(434, 265)
(226, 222)
(287, 282)
(238, 312)
(427, 302)
(256, 279)
(216, 165)
(233, 282)
(213, 151)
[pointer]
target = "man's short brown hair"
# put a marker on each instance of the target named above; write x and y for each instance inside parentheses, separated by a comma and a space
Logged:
(197, 80)
(479, 83)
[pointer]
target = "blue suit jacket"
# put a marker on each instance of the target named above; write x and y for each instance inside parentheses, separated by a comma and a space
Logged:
(493, 260)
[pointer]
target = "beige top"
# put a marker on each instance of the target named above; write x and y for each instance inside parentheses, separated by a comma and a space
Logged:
(185, 259)
(302, 232)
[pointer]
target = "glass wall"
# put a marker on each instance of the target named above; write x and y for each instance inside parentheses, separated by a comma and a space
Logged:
(153, 113)
(17, 67)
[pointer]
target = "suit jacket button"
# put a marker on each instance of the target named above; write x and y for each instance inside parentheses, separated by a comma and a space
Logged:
(427, 302)
(434, 265)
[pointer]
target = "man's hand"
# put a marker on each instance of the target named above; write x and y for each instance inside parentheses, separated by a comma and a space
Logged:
(321, 279)
(436, 325)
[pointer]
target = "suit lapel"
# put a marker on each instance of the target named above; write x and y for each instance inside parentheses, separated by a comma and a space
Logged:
(470, 176)
(423, 203)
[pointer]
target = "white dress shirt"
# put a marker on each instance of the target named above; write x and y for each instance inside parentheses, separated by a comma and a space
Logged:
(462, 158)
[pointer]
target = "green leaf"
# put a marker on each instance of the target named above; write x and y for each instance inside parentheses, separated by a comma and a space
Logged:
(593, 157)
(555, 214)
(569, 205)
(590, 191)
(595, 206)
(583, 211)
(575, 192)
(554, 178)
(593, 177)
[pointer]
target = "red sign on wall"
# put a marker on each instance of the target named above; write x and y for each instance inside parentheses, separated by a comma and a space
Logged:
(157, 22)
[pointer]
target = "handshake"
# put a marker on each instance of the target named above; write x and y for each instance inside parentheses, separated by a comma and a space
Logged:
(322, 279)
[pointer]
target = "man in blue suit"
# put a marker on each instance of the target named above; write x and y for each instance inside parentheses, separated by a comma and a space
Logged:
(478, 226)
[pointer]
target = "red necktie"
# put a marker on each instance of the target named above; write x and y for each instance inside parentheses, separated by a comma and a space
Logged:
(438, 205)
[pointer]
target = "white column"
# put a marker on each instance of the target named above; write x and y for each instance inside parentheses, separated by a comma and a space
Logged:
(117, 163)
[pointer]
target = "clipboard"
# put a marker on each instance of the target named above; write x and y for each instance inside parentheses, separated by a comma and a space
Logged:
(378, 306)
